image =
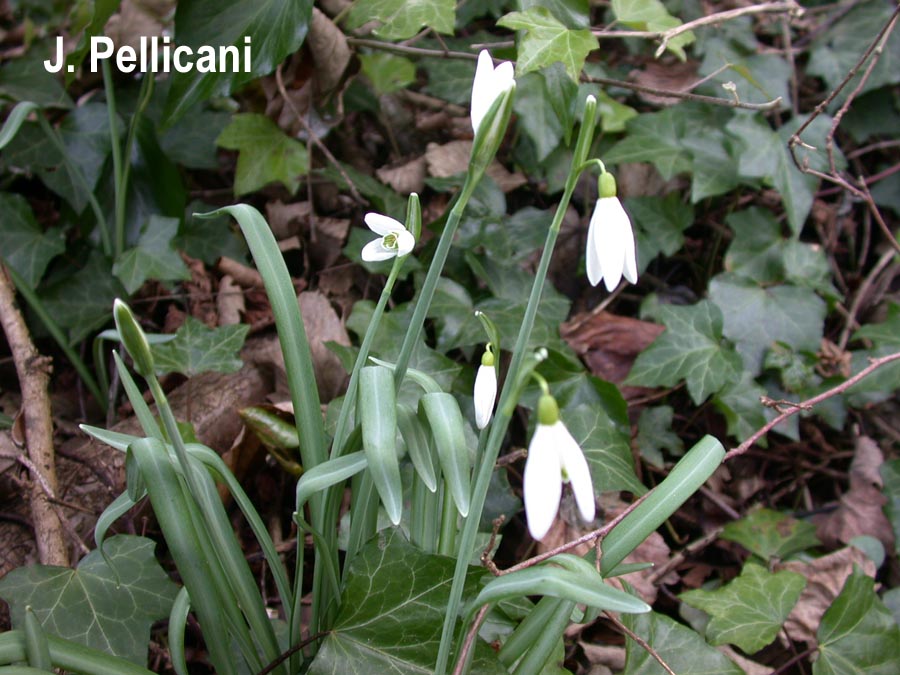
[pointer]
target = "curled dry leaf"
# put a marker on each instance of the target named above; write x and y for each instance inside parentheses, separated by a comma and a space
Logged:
(134, 20)
(452, 158)
(825, 578)
(329, 49)
(860, 511)
(323, 325)
(229, 302)
(611, 658)
(243, 276)
(406, 178)
(670, 76)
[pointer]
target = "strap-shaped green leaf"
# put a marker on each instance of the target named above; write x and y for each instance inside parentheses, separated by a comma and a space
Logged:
(378, 418)
(446, 422)
(418, 445)
(36, 646)
(14, 122)
(683, 480)
(177, 623)
(327, 474)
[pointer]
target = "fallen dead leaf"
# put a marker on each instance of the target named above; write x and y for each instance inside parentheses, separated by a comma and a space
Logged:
(245, 277)
(330, 51)
(825, 577)
(285, 219)
(749, 667)
(323, 325)
(670, 76)
(609, 344)
(132, 21)
(607, 656)
(229, 302)
(452, 158)
(406, 178)
(860, 511)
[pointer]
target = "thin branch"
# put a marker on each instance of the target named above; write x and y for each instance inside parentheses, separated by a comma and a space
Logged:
(290, 652)
(640, 641)
(687, 96)
(874, 365)
(279, 81)
(467, 644)
(861, 294)
(33, 371)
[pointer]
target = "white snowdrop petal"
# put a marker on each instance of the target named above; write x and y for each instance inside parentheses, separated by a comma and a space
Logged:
(576, 468)
(485, 394)
(482, 86)
(383, 225)
(609, 239)
(542, 483)
(405, 242)
(592, 253)
(503, 78)
(375, 251)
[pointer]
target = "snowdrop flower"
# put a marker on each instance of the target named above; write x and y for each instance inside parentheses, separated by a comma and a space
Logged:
(488, 85)
(395, 239)
(610, 244)
(554, 458)
(485, 389)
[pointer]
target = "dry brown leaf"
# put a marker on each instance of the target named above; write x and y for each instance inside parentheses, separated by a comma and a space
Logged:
(604, 655)
(328, 46)
(749, 667)
(609, 344)
(824, 579)
(229, 302)
(285, 219)
(406, 178)
(245, 277)
(452, 158)
(133, 21)
(669, 76)
(289, 244)
(860, 510)
(323, 325)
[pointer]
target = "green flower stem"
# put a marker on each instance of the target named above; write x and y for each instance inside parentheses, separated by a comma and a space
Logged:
(449, 516)
(426, 294)
(118, 187)
(540, 652)
(501, 420)
(75, 172)
(122, 188)
(38, 307)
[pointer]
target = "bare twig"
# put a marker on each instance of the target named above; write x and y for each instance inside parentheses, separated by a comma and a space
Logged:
(874, 365)
(279, 81)
(640, 641)
(861, 294)
(290, 652)
(33, 371)
(466, 646)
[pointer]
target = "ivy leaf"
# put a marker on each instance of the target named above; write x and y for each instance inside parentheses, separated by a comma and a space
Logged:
(153, 257)
(651, 15)
(749, 611)
(198, 349)
(606, 448)
(208, 239)
(756, 317)
(770, 534)
(656, 138)
(739, 404)
(266, 153)
(387, 73)
(890, 477)
(536, 115)
(857, 633)
(683, 649)
(547, 41)
(689, 349)
(392, 614)
(401, 19)
(109, 607)
(659, 225)
(81, 302)
(25, 246)
(276, 29)
(655, 433)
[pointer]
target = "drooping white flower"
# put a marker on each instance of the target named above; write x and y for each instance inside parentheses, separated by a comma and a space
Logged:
(554, 458)
(395, 239)
(610, 244)
(489, 83)
(485, 389)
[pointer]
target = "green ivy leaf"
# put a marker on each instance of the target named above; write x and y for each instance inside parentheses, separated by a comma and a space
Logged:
(689, 349)
(547, 41)
(885, 338)
(392, 614)
(26, 78)
(740, 405)
(655, 434)
(191, 141)
(749, 611)
(198, 349)
(536, 115)
(154, 256)
(656, 138)
(857, 633)
(24, 245)
(651, 15)
(613, 115)
(835, 51)
(387, 73)
(770, 534)
(659, 225)
(756, 317)
(890, 476)
(266, 153)
(683, 649)
(208, 239)
(606, 448)
(401, 19)
(82, 301)
(449, 79)
(107, 608)
(276, 28)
